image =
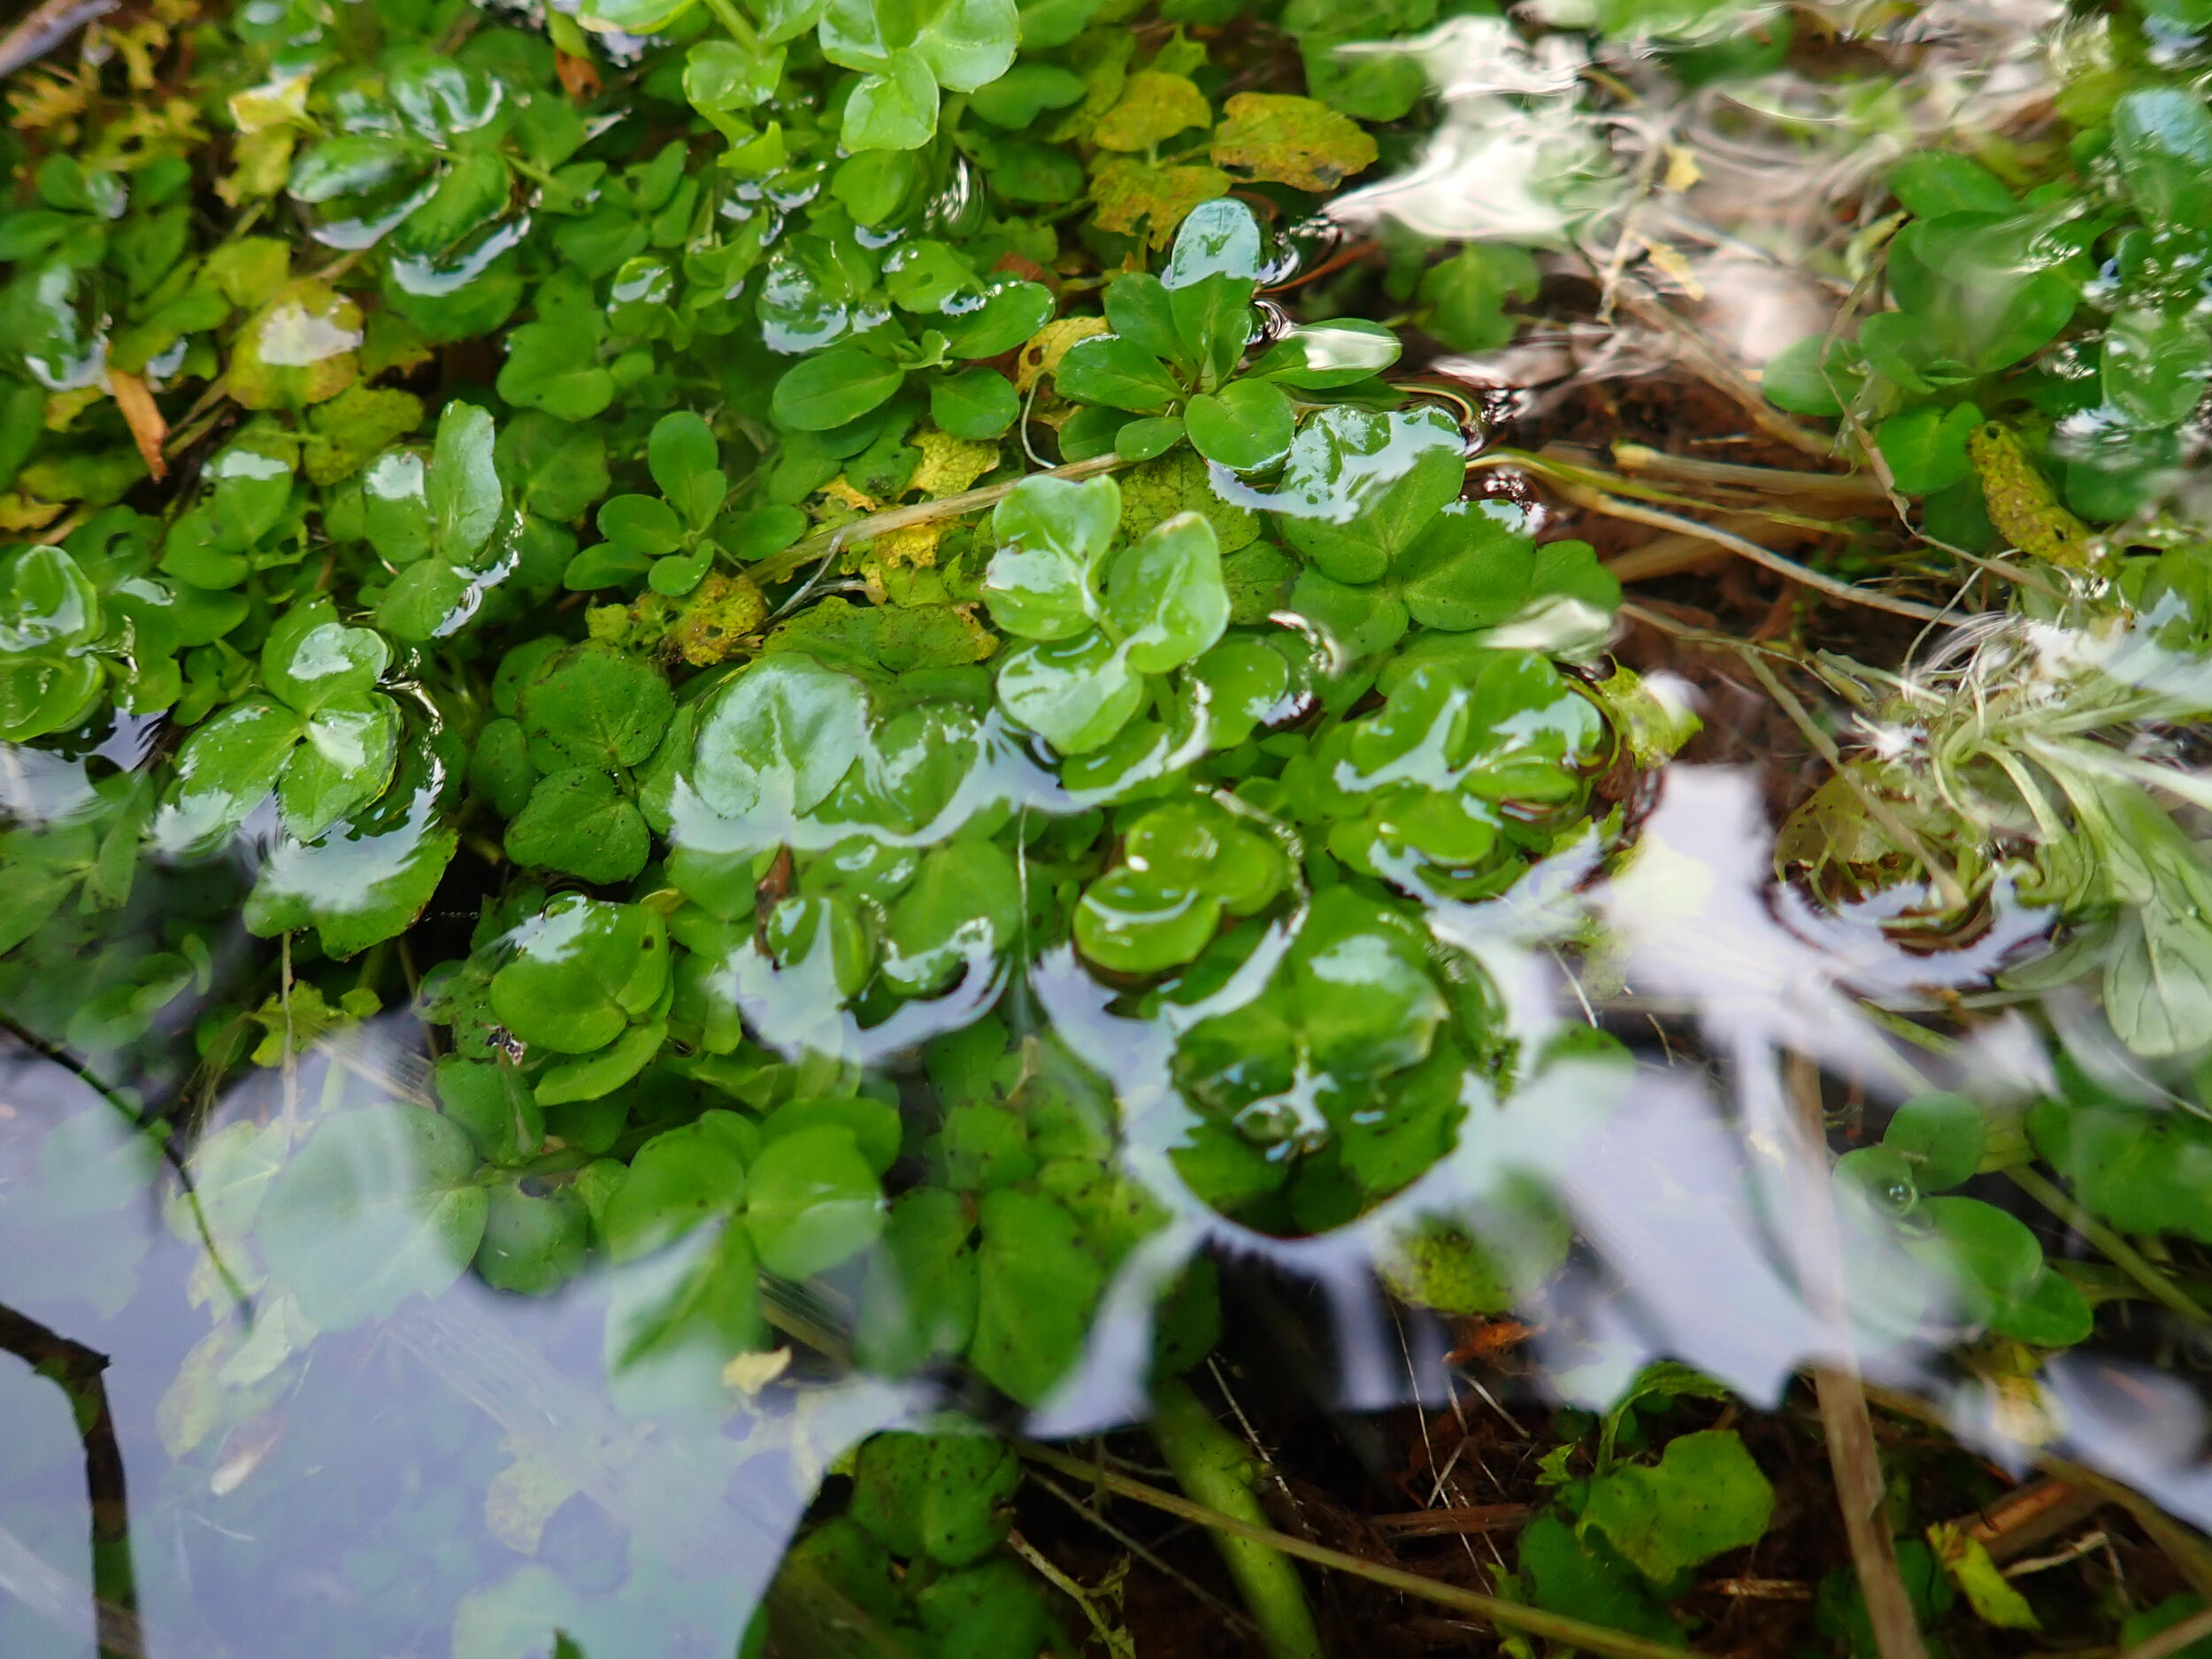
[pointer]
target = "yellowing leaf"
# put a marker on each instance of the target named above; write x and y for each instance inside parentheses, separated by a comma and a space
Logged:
(719, 612)
(1298, 142)
(1041, 355)
(298, 349)
(2022, 503)
(1967, 1561)
(521, 1498)
(1136, 199)
(46, 101)
(1152, 107)
(949, 464)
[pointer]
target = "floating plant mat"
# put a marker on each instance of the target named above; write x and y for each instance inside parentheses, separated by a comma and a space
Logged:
(967, 830)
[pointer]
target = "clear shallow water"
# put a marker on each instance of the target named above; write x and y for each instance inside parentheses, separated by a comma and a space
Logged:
(456, 1475)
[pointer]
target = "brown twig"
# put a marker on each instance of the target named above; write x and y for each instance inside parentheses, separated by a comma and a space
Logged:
(1614, 507)
(1573, 1632)
(1769, 480)
(2024, 1518)
(1853, 1458)
(1466, 1520)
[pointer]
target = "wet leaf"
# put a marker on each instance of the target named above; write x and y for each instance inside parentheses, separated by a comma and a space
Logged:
(1290, 141)
(377, 1207)
(1704, 1497)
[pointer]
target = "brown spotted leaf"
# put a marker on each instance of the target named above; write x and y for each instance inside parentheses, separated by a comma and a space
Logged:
(1297, 142)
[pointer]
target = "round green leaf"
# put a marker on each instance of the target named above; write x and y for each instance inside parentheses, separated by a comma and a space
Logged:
(978, 403)
(1075, 693)
(1246, 425)
(811, 1202)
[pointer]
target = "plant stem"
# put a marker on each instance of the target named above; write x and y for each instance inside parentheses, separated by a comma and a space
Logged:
(1853, 1457)
(1213, 1466)
(1557, 1627)
(2117, 1250)
(2173, 1638)
(780, 567)
(732, 19)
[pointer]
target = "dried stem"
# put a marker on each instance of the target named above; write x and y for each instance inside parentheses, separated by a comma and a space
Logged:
(1613, 507)
(1573, 1632)
(783, 565)
(1853, 1458)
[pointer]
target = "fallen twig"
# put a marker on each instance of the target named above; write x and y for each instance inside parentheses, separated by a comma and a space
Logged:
(1511, 1615)
(46, 28)
(1853, 1457)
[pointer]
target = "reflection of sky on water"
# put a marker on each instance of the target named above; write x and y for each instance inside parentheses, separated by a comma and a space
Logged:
(456, 1474)
(455, 1477)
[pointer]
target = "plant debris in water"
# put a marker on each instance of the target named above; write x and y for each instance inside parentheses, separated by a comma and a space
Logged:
(815, 809)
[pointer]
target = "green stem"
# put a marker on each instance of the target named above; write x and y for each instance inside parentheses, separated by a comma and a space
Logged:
(1214, 1467)
(733, 20)
(2121, 1254)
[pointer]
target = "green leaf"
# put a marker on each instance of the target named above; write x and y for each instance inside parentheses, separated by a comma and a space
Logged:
(1037, 1282)
(978, 403)
(1246, 425)
(581, 973)
(1153, 436)
(350, 747)
(1107, 369)
(894, 110)
(679, 1180)
(683, 456)
(1076, 693)
(1214, 321)
(377, 1207)
(594, 705)
(225, 769)
(1321, 356)
(1358, 487)
(578, 822)
(1165, 600)
(2162, 140)
(722, 75)
(643, 525)
(1992, 1255)
(1024, 92)
(1052, 534)
(1706, 1497)
(1942, 1135)
(825, 392)
(554, 366)
(1580, 1577)
(1931, 183)
(947, 1498)
(310, 658)
(597, 1075)
(917, 1302)
(811, 1202)
(1466, 294)
(1926, 448)
(1219, 238)
(775, 742)
(963, 908)
(970, 44)
(533, 1243)
(463, 490)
